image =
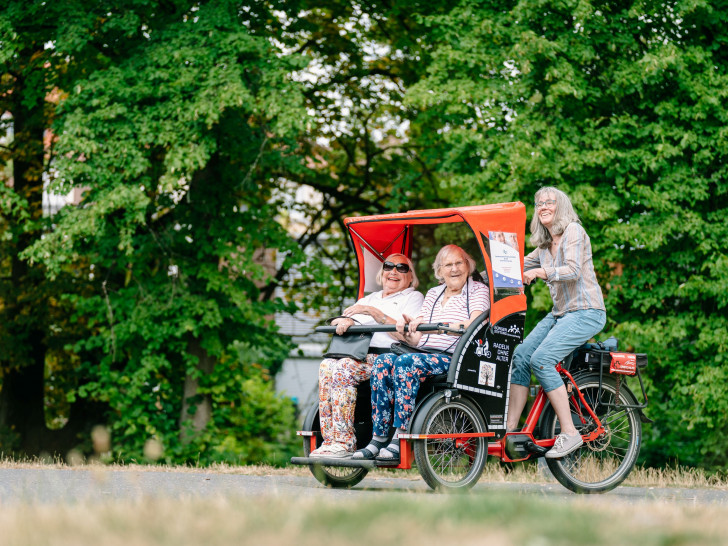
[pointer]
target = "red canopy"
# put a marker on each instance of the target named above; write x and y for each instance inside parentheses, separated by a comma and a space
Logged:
(375, 237)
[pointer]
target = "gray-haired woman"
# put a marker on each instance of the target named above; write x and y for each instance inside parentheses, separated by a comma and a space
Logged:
(395, 380)
(338, 378)
(563, 258)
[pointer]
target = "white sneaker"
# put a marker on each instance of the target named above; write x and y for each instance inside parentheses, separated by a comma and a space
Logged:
(338, 451)
(331, 451)
(564, 445)
(321, 451)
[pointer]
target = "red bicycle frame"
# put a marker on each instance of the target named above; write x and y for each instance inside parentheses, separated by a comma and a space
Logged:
(497, 449)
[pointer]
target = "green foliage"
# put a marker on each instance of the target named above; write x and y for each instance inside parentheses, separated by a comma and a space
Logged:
(172, 128)
(219, 145)
(620, 105)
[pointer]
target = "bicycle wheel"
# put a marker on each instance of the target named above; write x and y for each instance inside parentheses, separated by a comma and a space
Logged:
(338, 477)
(604, 463)
(451, 463)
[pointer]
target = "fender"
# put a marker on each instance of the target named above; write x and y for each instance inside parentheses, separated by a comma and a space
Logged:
(311, 415)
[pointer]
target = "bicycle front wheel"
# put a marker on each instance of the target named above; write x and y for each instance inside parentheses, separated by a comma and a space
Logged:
(604, 463)
(452, 463)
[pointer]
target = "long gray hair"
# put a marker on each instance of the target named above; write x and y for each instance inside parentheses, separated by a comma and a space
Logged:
(415, 281)
(444, 251)
(563, 216)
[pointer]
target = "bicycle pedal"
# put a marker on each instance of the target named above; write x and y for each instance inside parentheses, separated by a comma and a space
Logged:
(532, 447)
(516, 446)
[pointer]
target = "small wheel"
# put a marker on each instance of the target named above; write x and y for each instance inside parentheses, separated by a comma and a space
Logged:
(604, 463)
(452, 463)
(338, 477)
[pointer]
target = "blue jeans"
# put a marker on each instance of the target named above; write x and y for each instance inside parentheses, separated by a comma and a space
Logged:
(552, 340)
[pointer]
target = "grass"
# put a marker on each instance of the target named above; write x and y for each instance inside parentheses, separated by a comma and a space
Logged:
(503, 519)
(498, 517)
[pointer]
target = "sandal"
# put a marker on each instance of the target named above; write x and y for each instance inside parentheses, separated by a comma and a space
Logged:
(367, 454)
(390, 455)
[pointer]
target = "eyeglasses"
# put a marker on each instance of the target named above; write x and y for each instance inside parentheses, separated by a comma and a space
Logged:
(456, 265)
(401, 268)
(547, 203)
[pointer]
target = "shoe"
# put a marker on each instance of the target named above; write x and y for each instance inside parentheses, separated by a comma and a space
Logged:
(338, 451)
(389, 455)
(321, 451)
(564, 445)
(367, 454)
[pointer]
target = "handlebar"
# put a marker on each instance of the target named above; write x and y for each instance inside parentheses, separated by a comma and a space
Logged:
(357, 329)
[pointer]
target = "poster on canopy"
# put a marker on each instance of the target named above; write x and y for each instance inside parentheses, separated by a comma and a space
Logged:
(506, 260)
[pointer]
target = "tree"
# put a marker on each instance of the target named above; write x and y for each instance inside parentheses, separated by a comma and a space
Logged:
(34, 328)
(176, 114)
(619, 104)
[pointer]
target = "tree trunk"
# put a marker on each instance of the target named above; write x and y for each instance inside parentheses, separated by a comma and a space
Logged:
(202, 404)
(25, 316)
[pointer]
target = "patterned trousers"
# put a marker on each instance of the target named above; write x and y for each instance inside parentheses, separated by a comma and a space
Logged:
(337, 398)
(395, 382)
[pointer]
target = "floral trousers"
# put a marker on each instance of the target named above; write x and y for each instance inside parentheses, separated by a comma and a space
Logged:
(395, 383)
(338, 379)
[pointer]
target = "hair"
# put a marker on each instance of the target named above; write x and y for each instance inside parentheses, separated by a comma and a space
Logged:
(415, 281)
(563, 216)
(444, 251)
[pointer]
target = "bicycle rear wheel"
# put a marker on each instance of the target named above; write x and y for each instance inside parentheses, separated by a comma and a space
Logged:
(604, 463)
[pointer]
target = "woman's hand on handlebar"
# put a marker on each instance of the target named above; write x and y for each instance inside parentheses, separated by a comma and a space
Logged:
(533, 274)
(342, 324)
(413, 336)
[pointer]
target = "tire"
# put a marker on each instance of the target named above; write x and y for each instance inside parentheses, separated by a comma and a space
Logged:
(447, 464)
(604, 463)
(338, 477)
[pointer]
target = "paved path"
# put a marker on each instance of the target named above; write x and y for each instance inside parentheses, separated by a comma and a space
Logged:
(51, 485)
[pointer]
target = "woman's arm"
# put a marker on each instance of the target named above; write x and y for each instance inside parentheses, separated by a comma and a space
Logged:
(380, 317)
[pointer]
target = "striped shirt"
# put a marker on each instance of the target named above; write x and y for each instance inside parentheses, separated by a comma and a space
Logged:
(454, 313)
(571, 278)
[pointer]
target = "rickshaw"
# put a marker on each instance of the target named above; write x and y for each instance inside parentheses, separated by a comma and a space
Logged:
(460, 417)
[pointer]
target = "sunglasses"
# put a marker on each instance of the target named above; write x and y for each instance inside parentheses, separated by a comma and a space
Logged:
(401, 268)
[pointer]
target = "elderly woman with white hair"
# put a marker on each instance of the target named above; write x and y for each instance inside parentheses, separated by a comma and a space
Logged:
(395, 380)
(338, 378)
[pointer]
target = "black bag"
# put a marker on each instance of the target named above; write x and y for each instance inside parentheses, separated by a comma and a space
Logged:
(401, 348)
(354, 346)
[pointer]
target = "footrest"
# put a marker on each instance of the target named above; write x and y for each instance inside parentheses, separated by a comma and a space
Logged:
(334, 461)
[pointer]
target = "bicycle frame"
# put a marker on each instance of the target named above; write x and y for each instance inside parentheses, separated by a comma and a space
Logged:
(497, 449)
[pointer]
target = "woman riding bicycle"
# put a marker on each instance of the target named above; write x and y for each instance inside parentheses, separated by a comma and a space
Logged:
(563, 259)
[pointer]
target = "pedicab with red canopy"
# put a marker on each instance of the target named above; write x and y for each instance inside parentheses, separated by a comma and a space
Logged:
(460, 417)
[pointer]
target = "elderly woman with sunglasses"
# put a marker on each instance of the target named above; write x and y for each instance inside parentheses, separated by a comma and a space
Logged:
(563, 259)
(395, 381)
(338, 378)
